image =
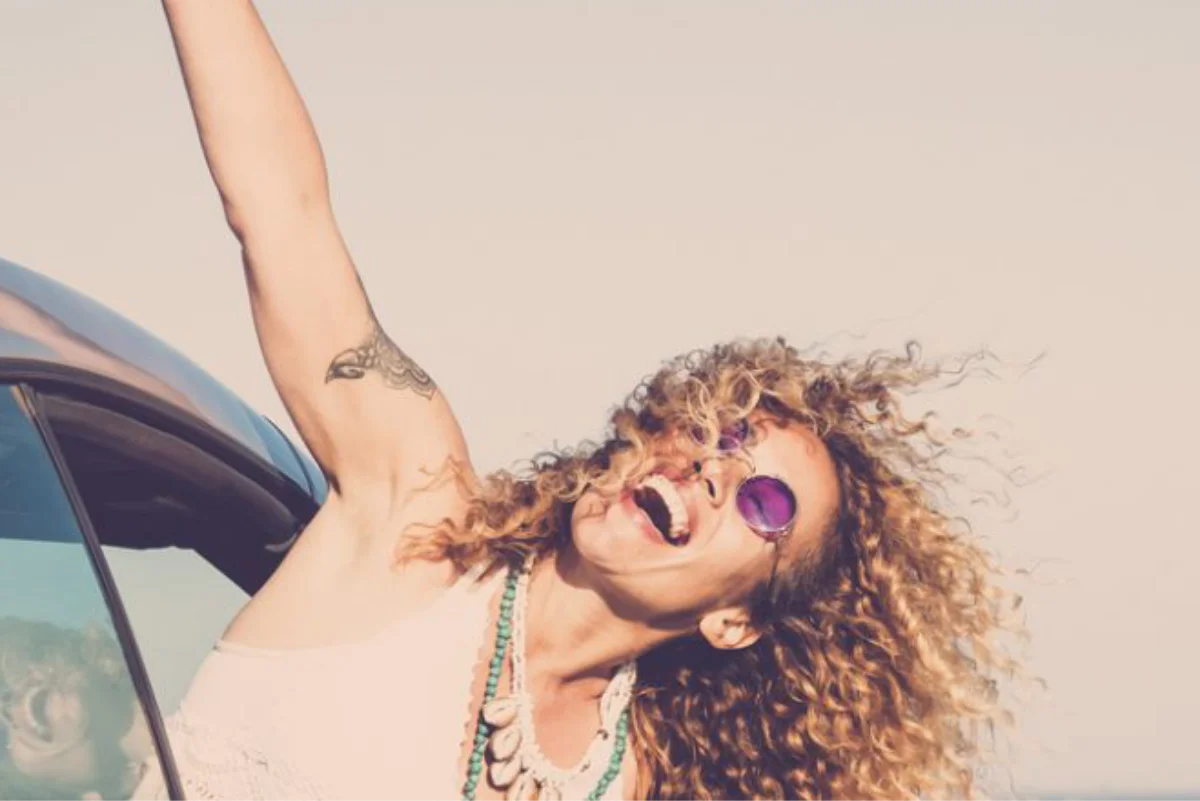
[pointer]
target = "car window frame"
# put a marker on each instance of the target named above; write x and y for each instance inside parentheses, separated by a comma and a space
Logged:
(304, 500)
(49, 377)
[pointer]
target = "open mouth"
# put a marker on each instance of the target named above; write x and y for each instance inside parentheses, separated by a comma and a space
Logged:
(658, 498)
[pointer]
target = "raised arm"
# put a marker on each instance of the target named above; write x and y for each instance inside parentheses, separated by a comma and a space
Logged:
(373, 419)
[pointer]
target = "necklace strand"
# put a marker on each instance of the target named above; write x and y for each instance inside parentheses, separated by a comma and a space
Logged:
(510, 629)
(613, 703)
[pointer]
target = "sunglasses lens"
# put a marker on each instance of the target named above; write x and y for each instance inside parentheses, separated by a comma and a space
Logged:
(734, 437)
(767, 504)
(731, 438)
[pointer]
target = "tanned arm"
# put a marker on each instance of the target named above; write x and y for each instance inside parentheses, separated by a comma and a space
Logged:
(373, 419)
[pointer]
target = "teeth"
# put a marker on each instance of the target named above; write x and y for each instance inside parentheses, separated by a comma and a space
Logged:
(674, 503)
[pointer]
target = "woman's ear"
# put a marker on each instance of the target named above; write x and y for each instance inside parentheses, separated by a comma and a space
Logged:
(729, 629)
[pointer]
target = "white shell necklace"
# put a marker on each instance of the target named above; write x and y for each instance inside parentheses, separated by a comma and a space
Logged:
(518, 764)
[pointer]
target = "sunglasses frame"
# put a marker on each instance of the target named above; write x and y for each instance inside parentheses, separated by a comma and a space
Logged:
(774, 537)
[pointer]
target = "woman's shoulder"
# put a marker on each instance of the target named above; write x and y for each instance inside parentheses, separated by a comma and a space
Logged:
(427, 586)
(343, 579)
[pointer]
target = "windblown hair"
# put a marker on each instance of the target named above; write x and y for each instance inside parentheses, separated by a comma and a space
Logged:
(876, 675)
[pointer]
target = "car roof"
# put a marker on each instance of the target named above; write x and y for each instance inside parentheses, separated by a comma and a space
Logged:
(47, 328)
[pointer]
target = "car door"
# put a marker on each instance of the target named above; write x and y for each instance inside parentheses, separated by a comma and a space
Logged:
(177, 522)
(77, 716)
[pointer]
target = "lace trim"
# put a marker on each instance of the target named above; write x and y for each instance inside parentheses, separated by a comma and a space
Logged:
(590, 767)
(215, 764)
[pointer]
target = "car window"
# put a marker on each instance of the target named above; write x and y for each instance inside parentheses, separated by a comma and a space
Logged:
(178, 605)
(71, 722)
(166, 511)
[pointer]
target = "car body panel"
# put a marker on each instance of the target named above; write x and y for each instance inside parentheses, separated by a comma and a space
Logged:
(46, 327)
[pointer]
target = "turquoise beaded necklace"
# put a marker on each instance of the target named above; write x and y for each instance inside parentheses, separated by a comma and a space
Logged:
(483, 729)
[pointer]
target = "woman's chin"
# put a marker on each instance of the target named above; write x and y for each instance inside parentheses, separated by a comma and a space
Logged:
(605, 545)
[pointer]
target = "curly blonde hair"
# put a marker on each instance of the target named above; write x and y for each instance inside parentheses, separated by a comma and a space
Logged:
(876, 673)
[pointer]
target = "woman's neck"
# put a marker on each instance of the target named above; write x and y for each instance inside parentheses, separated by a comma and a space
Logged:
(574, 640)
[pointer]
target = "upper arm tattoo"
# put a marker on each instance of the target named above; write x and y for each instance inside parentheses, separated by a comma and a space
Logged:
(380, 354)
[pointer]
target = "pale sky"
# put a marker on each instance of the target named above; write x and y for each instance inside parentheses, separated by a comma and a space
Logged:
(546, 200)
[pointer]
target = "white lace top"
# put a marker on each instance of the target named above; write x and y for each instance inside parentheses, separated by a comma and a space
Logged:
(382, 718)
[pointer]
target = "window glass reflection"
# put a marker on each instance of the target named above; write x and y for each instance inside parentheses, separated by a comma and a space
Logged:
(71, 724)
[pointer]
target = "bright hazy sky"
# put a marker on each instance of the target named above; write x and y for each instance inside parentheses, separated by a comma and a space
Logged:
(547, 199)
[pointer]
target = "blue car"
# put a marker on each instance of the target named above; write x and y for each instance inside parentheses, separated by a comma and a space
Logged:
(141, 503)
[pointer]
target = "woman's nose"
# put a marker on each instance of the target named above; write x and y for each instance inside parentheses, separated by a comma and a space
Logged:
(715, 478)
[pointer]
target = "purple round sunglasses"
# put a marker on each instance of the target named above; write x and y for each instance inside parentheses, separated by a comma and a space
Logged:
(765, 502)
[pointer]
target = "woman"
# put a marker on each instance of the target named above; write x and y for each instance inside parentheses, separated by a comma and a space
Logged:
(747, 591)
